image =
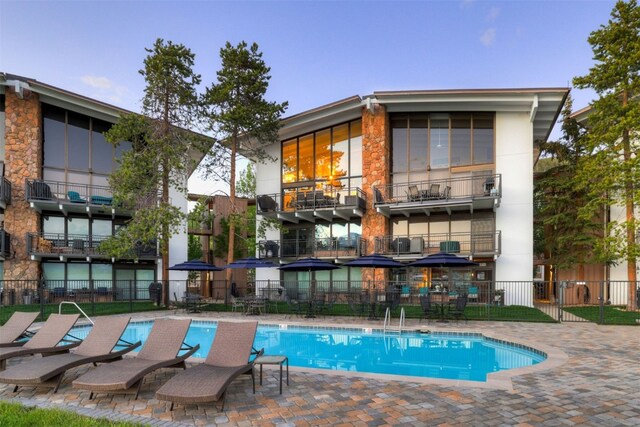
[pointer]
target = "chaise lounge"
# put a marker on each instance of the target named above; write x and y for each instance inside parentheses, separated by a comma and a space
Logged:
(45, 341)
(228, 358)
(96, 348)
(16, 328)
(161, 350)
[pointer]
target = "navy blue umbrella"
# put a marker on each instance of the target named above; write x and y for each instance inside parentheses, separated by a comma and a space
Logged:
(195, 265)
(442, 260)
(309, 264)
(250, 262)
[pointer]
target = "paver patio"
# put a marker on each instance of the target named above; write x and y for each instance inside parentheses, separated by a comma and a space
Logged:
(599, 385)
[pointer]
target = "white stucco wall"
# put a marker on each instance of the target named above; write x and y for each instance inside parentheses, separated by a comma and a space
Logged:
(514, 217)
(268, 182)
(178, 247)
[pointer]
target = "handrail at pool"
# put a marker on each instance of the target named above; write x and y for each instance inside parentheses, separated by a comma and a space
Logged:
(77, 306)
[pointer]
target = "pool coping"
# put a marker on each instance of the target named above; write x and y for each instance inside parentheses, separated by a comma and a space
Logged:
(501, 380)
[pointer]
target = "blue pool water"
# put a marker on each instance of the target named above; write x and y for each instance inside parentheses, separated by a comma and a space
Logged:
(449, 356)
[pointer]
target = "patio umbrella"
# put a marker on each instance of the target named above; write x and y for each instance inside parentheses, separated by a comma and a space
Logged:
(309, 264)
(250, 262)
(442, 260)
(374, 261)
(195, 265)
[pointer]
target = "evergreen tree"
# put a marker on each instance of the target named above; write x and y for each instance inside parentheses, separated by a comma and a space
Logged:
(159, 158)
(613, 169)
(244, 120)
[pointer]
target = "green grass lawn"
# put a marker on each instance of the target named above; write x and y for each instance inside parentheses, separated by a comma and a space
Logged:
(613, 315)
(16, 415)
(101, 308)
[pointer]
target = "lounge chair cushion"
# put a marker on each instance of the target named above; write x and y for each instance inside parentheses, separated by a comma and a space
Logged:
(74, 197)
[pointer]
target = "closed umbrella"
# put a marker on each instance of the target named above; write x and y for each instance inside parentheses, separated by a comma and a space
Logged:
(374, 261)
(309, 264)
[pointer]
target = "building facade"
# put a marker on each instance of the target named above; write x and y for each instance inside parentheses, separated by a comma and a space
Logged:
(408, 174)
(56, 202)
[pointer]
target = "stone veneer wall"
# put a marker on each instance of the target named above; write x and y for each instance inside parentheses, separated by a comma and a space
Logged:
(23, 136)
(376, 170)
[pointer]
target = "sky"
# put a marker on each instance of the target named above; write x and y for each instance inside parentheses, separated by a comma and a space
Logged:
(319, 51)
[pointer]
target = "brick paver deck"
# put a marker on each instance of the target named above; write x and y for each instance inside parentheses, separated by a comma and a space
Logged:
(597, 385)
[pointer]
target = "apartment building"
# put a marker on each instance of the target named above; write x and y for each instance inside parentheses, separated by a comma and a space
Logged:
(56, 204)
(407, 174)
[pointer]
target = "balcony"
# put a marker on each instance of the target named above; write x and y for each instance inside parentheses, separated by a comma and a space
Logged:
(475, 245)
(78, 246)
(324, 248)
(443, 195)
(68, 197)
(295, 205)
(5, 245)
(5, 193)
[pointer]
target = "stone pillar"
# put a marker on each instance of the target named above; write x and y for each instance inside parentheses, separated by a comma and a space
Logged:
(376, 170)
(23, 154)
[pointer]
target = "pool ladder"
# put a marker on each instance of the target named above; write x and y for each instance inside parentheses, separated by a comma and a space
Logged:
(77, 306)
(387, 322)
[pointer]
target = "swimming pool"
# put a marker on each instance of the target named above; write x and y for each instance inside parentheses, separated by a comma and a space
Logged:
(456, 356)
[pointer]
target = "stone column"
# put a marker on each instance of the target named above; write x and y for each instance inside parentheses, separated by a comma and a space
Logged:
(23, 154)
(376, 170)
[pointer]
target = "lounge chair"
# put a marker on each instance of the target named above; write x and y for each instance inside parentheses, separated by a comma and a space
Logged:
(16, 328)
(161, 350)
(228, 358)
(96, 348)
(74, 197)
(45, 341)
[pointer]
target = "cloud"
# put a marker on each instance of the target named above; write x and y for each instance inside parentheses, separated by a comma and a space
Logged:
(105, 88)
(488, 37)
(493, 14)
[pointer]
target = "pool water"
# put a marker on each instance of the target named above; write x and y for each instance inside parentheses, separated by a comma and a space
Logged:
(447, 356)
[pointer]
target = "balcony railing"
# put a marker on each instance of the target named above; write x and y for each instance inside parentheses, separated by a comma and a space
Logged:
(5, 244)
(418, 245)
(329, 248)
(5, 192)
(482, 191)
(78, 246)
(294, 204)
(79, 197)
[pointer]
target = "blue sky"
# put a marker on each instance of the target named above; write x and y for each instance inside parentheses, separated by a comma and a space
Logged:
(318, 51)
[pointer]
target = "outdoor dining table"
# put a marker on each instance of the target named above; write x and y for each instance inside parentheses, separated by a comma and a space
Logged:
(440, 299)
(255, 305)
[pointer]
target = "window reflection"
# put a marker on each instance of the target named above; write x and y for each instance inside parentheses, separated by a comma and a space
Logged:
(439, 142)
(305, 158)
(289, 161)
(460, 139)
(323, 155)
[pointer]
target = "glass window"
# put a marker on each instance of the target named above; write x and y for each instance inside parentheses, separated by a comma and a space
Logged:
(78, 226)
(53, 272)
(122, 147)
(54, 137)
(78, 271)
(418, 144)
(78, 141)
(460, 140)
(482, 138)
(323, 155)
(101, 227)
(399, 143)
(53, 224)
(101, 150)
(102, 272)
(305, 158)
(355, 156)
(289, 161)
(340, 159)
(439, 142)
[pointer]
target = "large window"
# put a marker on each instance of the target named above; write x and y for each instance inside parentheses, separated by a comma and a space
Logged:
(75, 149)
(440, 141)
(329, 157)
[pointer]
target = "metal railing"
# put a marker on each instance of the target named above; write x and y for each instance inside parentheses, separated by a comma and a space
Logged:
(439, 190)
(326, 247)
(5, 191)
(424, 244)
(69, 245)
(295, 199)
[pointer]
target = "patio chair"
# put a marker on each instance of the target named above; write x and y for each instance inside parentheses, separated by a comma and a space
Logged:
(45, 341)
(293, 305)
(472, 294)
(97, 347)
(16, 328)
(237, 303)
(457, 310)
(228, 358)
(428, 309)
(165, 341)
(413, 193)
(74, 197)
(433, 192)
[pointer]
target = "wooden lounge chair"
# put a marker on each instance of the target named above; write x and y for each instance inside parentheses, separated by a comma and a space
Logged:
(16, 328)
(45, 341)
(96, 348)
(161, 350)
(228, 358)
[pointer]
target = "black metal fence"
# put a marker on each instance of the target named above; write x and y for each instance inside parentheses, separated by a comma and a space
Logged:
(535, 301)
